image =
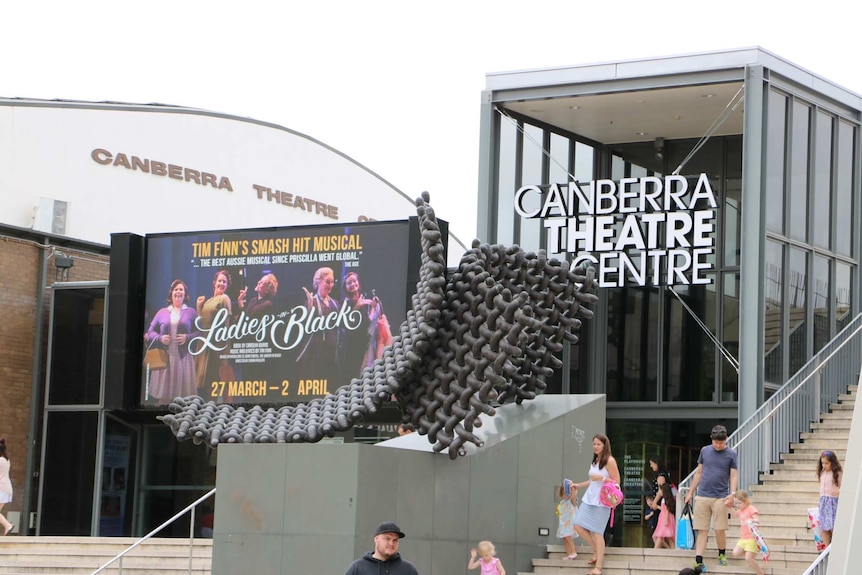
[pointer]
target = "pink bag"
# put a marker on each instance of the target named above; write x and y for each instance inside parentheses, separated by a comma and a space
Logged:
(610, 496)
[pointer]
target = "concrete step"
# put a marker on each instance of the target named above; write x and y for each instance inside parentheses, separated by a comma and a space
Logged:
(833, 423)
(834, 436)
(818, 444)
(784, 477)
(798, 500)
(24, 555)
(794, 466)
(838, 415)
(635, 561)
(812, 454)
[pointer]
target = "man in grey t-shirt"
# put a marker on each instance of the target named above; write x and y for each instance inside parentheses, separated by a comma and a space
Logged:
(715, 481)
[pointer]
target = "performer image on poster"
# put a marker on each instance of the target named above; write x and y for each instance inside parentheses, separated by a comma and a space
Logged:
(318, 358)
(261, 303)
(171, 329)
(207, 363)
(361, 346)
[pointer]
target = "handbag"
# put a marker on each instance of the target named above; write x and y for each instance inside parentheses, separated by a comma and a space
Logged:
(156, 358)
(611, 495)
(685, 529)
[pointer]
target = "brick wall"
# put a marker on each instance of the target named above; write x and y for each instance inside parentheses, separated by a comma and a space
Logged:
(19, 273)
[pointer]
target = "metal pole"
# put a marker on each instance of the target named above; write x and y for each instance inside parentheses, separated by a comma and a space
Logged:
(191, 537)
(816, 394)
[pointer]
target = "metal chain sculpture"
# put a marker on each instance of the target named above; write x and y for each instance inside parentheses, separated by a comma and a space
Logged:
(488, 335)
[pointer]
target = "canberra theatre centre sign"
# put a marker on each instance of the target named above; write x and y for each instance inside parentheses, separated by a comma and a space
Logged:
(643, 231)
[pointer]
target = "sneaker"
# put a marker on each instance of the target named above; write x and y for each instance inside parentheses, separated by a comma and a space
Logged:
(701, 565)
(722, 559)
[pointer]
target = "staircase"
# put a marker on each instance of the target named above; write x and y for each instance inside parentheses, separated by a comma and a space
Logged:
(782, 497)
(83, 555)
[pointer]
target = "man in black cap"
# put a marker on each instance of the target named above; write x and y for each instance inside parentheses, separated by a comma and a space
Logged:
(385, 558)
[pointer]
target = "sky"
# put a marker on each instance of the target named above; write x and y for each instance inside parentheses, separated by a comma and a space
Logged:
(394, 85)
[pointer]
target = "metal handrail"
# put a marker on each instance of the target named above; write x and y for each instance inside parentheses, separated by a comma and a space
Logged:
(189, 508)
(800, 404)
(780, 420)
(820, 564)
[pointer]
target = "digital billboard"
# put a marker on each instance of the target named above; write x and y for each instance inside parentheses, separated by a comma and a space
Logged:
(270, 316)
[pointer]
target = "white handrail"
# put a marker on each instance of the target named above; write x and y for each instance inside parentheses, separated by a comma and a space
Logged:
(190, 507)
(732, 440)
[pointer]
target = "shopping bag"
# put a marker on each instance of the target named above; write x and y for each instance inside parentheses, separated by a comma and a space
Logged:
(758, 538)
(685, 529)
(814, 525)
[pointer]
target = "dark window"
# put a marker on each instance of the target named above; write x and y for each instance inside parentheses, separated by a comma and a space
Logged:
(822, 196)
(797, 204)
(70, 460)
(76, 346)
(773, 325)
(776, 144)
(797, 300)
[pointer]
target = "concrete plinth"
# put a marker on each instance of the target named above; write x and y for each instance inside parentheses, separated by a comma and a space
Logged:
(311, 509)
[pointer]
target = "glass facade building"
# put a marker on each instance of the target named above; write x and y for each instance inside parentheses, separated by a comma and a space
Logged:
(781, 148)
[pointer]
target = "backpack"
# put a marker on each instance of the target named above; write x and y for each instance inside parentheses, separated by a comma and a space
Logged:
(611, 495)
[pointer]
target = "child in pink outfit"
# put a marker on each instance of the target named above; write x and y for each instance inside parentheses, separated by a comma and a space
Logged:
(489, 564)
(747, 545)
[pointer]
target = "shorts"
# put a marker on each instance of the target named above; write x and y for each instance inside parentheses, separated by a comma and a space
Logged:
(710, 507)
(748, 545)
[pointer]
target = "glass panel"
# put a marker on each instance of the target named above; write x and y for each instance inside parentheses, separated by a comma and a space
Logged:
(821, 302)
(844, 189)
(689, 353)
(579, 355)
(843, 293)
(618, 167)
(797, 205)
(78, 317)
(118, 472)
(797, 282)
(558, 170)
(822, 200)
(506, 186)
(531, 173)
(632, 350)
(70, 460)
(776, 136)
(583, 162)
(558, 173)
(773, 327)
(174, 474)
(732, 201)
(634, 442)
(730, 337)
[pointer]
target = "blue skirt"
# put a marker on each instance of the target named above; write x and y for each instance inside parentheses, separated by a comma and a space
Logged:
(828, 507)
(593, 518)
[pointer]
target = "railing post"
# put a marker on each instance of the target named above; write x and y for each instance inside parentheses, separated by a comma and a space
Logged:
(120, 566)
(191, 537)
(766, 447)
(816, 394)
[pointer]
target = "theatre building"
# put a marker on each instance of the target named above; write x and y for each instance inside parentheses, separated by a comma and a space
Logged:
(712, 302)
(96, 198)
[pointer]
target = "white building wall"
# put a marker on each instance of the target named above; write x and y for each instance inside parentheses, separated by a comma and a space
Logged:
(47, 151)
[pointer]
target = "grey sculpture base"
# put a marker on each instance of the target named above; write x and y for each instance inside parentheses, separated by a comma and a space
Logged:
(311, 509)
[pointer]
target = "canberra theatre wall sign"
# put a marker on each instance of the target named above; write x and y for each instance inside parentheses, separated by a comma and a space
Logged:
(642, 231)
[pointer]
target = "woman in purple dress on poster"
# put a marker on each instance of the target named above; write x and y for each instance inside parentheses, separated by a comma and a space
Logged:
(172, 329)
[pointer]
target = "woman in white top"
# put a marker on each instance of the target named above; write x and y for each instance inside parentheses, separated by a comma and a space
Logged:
(592, 515)
(5, 486)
